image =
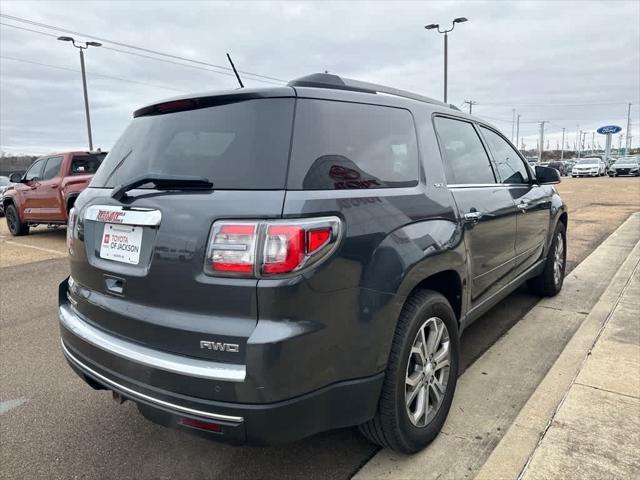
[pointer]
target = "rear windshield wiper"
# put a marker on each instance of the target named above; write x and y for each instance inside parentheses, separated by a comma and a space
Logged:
(162, 182)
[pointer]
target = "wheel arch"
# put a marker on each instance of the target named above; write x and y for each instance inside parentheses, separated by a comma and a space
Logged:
(70, 201)
(6, 201)
(449, 284)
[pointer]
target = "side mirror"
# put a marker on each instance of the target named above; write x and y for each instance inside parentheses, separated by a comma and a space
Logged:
(15, 177)
(547, 175)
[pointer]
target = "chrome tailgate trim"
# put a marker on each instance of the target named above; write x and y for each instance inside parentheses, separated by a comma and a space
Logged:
(190, 367)
(141, 396)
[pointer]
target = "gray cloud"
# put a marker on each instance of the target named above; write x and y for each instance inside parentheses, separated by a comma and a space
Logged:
(509, 53)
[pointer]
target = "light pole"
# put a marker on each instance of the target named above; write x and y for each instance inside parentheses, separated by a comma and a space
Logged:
(541, 149)
(446, 53)
(82, 46)
(562, 152)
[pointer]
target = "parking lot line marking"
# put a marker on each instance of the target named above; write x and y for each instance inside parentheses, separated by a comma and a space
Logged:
(36, 248)
(9, 404)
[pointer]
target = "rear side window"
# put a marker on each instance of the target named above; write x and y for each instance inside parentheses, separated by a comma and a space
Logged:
(242, 145)
(52, 169)
(465, 159)
(510, 166)
(86, 164)
(340, 145)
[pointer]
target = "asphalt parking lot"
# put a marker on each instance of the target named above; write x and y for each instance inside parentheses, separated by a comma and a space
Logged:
(53, 426)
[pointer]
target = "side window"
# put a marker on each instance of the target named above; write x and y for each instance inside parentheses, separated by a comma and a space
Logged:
(465, 159)
(510, 166)
(340, 145)
(52, 168)
(35, 171)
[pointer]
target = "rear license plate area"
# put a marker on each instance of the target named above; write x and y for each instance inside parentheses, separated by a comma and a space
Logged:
(121, 243)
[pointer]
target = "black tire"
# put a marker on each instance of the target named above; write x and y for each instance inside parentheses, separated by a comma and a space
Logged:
(16, 226)
(391, 427)
(546, 284)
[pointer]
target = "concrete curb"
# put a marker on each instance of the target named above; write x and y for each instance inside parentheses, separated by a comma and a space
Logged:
(511, 456)
(493, 391)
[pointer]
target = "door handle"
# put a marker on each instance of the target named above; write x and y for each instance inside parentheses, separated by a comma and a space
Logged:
(54, 186)
(472, 217)
(523, 205)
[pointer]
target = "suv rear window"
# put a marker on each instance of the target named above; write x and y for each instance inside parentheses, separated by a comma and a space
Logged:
(86, 164)
(242, 145)
(340, 145)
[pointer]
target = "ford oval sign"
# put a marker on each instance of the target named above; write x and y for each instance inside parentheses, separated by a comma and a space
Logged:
(609, 129)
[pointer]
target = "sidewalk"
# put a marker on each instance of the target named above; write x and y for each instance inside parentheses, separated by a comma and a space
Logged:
(583, 421)
(596, 431)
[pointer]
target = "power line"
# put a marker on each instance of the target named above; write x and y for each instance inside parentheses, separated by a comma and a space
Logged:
(502, 119)
(551, 104)
(93, 74)
(28, 29)
(134, 47)
(144, 56)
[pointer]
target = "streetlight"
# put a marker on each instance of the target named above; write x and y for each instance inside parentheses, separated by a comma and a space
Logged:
(446, 33)
(82, 48)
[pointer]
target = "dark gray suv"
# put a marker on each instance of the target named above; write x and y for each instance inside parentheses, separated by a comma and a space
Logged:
(261, 265)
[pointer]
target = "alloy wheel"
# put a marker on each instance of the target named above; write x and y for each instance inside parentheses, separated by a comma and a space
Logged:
(558, 261)
(427, 372)
(11, 220)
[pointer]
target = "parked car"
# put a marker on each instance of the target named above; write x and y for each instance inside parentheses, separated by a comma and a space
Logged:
(589, 167)
(569, 164)
(4, 184)
(560, 166)
(48, 189)
(625, 166)
(267, 282)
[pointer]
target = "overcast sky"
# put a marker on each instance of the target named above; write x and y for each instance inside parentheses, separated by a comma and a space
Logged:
(547, 59)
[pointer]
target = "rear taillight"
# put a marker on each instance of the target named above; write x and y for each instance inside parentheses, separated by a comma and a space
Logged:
(268, 248)
(284, 248)
(232, 248)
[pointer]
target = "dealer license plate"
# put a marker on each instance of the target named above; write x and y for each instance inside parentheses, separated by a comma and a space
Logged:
(121, 243)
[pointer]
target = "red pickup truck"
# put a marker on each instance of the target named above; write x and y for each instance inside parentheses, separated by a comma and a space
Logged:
(48, 189)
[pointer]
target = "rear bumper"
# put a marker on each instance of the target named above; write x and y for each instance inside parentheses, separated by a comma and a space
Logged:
(108, 362)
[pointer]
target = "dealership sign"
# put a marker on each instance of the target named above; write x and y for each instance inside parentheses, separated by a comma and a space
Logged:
(609, 129)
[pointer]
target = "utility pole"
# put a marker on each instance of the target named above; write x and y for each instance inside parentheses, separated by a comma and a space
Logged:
(541, 144)
(579, 140)
(619, 143)
(513, 122)
(518, 130)
(471, 103)
(593, 142)
(577, 149)
(628, 143)
(562, 151)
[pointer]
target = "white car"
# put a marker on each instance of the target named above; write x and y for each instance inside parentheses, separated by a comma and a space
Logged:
(589, 167)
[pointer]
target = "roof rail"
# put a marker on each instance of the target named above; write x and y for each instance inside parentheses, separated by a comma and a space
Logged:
(327, 80)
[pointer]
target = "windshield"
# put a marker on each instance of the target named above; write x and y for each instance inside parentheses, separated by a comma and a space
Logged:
(4, 181)
(242, 145)
(588, 161)
(627, 160)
